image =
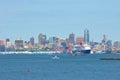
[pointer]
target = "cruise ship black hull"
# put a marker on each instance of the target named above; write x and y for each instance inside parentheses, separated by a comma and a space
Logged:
(81, 51)
(86, 51)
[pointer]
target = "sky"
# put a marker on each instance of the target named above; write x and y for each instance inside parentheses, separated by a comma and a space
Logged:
(27, 18)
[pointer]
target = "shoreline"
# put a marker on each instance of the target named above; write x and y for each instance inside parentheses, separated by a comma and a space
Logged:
(28, 52)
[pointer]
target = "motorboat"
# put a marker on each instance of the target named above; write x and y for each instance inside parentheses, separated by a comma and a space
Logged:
(55, 57)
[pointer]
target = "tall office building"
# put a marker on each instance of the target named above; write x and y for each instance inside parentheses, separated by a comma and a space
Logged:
(53, 40)
(116, 44)
(2, 46)
(1, 42)
(39, 39)
(9, 46)
(42, 39)
(86, 36)
(72, 38)
(7, 40)
(32, 41)
(104, 39)
(19, 44)
(109, 43)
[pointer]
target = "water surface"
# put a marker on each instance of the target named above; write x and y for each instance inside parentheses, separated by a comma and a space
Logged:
(68, 67)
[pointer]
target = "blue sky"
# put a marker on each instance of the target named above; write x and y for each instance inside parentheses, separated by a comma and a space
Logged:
(26, 18)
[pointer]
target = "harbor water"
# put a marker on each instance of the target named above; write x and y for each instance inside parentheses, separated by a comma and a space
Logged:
(65, 67)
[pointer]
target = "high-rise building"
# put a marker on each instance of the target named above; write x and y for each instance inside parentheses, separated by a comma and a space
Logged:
(39, 39)
(64, 45)
(116, 44)
(2, 46)
(26, 44)
(32, 41)
(72, 38)
(9, 46)
(53, 40)
(7, 40)
(104, 39)
(19, 44)
(109, 43)
(1, 42)
(86, 36)
(42, 39)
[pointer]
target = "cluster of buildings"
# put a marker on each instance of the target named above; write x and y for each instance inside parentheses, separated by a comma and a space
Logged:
(59, 44)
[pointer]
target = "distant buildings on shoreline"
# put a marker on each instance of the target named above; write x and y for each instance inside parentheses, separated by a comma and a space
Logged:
(59, 44)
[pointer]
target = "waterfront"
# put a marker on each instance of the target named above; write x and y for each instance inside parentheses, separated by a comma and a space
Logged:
(67, 67)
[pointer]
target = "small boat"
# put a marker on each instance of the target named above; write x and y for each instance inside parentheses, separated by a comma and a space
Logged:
(55, 57)
(109, 58)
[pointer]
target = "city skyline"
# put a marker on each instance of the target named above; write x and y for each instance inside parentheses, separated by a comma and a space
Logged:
(59, 18)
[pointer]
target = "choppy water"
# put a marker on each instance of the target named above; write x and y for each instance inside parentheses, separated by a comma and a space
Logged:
(43, 67)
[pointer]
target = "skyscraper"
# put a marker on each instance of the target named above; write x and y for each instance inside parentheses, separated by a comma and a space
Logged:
(104, 39)
(109, 43)
(42, 39)
(1, 42)
(116, 44)
(19, 44)
(7, 40)
(86, 36)
(2, 46)
(72, 38)
(53, 40)
(32, 41)
(39, 39)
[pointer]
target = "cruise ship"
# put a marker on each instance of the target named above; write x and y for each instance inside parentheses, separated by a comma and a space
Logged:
(81, 49)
